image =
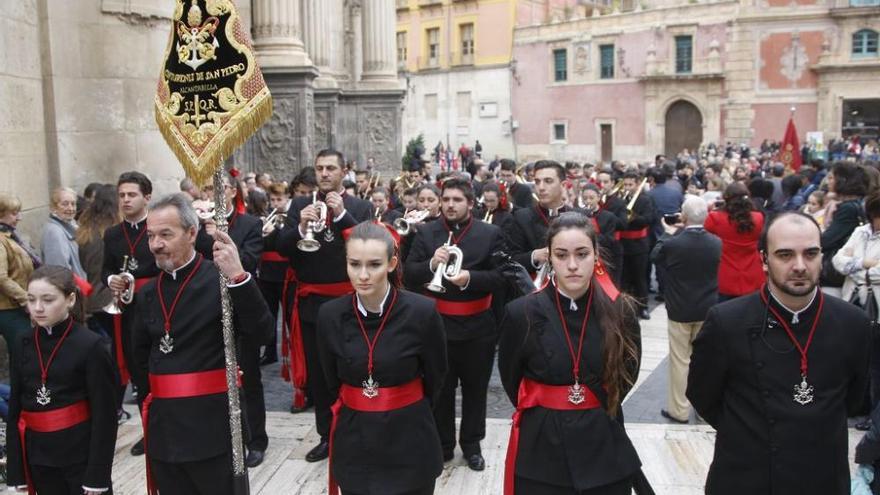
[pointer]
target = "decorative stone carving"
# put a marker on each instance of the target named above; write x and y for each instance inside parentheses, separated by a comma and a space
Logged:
(794, 61)
(582, 58)
(322, 128)
(275, 146)
(380, 135)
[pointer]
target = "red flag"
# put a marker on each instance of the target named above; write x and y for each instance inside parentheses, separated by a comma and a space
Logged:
(790, 151)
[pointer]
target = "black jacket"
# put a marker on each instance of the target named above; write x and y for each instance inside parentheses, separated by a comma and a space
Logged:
(271, 271)
(582, 448)
(742, 376)
(527, 231)
(689, 261)
(611, 249)
(847, 217)
(521, 195)
(82, 370)
(395, 451)
(643, 217)
(246, 231)
(194, 428)
(478, 244)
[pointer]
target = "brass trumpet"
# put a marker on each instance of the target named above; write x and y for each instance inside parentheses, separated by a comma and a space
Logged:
(403, 225)
(447, 270)
(490, 214)
(275, 218)
(308, 243)
(614, 190)
(632, 202)
(127, 296)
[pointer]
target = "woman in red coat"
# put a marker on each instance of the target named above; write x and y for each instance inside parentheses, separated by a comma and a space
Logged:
(739, 226)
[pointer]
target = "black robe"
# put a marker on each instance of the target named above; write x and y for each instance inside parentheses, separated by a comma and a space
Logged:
(581, 448)
(82, 370)
(528, 231)
(246, 232)
(643, 217)
(742, 376)
(395, 451)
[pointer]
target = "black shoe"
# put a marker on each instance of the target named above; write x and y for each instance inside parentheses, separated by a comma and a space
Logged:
(268, 359)
(864, 425)
(319, 452)
(643, 315)
(448, 456)
(665, 414)
(138, 448)
(296, 410)
(254, 458)
(476, 462)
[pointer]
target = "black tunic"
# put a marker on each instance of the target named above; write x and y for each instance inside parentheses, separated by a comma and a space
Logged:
(643, 217)
(116, 247)
(478, 245)
(246, 232)
(742, 376)
(581, 448)
(271, 271)
(528, 231)
(195, 428)
(395, 451)
(82, 370)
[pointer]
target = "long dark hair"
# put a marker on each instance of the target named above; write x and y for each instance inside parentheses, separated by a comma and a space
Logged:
(62, 279)
(739, 208)
(372, 231)
(620, 354)
(102, 212)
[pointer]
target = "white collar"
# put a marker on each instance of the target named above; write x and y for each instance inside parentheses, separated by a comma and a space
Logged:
(572, 303)
(135, 224)
(794, 317)
(173, 273)
(363, 310)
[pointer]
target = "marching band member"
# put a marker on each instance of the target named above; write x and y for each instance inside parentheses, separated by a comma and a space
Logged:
(381, 210)
(466, 308)
(178, 341)
(568, 355)
(126, 243)
(383, 351)
(321, 276)
(520, 194)
(610, 199)
(61, 428)
(495, 208)
(274, 274)
(527, 235)
(635, 241)
(362, 182)
(607, 226)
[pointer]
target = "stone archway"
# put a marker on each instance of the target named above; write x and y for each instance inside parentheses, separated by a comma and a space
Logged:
(684, 128)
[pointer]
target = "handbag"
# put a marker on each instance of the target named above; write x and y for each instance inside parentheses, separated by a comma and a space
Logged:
(870, 305)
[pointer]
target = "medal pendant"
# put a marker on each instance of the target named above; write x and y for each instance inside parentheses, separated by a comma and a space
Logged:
(132, 264)
(576, 393)
(371, 388)
(44, 396)
(166, 344)
(803, 393)
(328, 235)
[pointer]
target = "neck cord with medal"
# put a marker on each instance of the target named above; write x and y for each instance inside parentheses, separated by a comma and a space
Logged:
(544, 217)
(464, 230)
(803, 392)
(132, 259)
(166, 343)
(370, 386)
(576, 391)
(329, 236)
(44, 395)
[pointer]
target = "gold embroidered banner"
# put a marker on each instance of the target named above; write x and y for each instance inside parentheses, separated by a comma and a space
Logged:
(211, 94)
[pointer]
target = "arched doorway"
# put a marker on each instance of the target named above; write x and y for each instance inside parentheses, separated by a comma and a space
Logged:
(684, 128)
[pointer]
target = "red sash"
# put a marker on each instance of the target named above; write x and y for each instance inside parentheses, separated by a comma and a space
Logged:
(273, 256)
(124, 376)
(45, 422)
(294, 367)
(389, 399)
(179, 386)
(634, 234)
(463, 308)
(535, 394)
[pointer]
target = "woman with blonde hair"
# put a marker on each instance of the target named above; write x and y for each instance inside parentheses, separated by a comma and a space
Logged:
(17, 261)
(58, 244)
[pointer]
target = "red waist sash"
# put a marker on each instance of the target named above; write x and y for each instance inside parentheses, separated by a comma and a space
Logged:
(46, 422)
(293, 356)
(535, 394)
(463, 308)
(179, 386)
(634, 234)
(273, 256)
(388, 399)
(124, 375)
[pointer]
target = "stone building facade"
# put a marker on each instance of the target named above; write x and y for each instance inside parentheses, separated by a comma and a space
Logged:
(78, 78)
(627, 79)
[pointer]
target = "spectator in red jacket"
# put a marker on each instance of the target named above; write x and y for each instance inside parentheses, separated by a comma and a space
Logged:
(739, 226)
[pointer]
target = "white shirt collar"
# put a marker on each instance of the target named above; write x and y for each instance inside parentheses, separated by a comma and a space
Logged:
(134, 225)
(173, 273)
(363, 310)
(572, 303)
(794, 314)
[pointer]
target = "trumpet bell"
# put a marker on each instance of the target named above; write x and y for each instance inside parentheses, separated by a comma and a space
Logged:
(112, 308)
(308, 245)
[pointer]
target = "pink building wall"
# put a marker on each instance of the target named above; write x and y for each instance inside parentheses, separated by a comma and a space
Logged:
(771, 118)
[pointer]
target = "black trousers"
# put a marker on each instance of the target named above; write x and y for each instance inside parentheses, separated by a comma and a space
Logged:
(61, 480)
(425, 490)
(139, 379)
(470, 364)
(316, 384)
(252, 392)
(206, 477)
(525, 486)
(634, 282)
(272, 294)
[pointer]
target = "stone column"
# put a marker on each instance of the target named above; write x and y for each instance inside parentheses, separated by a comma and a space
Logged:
(380, 26)
(277, 27)
(320, 37)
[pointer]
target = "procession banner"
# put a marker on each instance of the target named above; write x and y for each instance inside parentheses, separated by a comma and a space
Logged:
(211, 95)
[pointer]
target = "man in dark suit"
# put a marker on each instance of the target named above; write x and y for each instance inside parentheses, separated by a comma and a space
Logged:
(689, 257)
(778, 371)
(636, 242)
(520, 193)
